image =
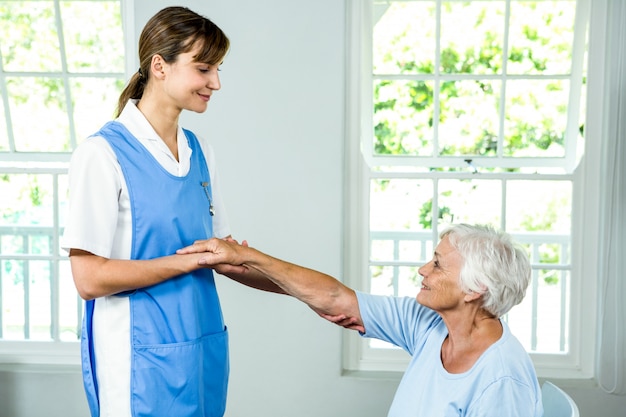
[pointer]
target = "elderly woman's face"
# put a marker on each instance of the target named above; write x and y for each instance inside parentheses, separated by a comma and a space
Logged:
(440, 285)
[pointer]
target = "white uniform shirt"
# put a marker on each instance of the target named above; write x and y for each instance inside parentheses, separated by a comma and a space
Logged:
(99, 221)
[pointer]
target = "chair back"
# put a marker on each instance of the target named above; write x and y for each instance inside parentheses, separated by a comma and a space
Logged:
(556, 402)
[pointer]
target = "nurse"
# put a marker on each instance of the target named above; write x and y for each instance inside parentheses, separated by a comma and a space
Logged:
(154, 342)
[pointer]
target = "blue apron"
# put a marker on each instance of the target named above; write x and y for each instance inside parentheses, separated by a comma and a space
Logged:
(179, 352)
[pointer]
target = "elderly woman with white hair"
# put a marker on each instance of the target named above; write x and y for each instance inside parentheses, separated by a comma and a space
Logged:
(465, 360)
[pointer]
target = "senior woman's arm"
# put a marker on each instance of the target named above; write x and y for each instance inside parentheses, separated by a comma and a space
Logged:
(326, 295)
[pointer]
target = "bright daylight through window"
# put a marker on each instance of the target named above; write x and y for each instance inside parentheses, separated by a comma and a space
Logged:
(470, 111)
(61, 72)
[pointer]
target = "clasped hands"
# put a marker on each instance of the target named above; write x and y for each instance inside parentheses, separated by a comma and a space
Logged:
(219, 254)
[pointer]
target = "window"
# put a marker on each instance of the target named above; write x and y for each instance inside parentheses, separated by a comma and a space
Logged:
(468, 111)
(61, 72)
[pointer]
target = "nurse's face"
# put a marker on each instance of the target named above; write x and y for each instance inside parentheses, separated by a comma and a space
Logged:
(190, 84)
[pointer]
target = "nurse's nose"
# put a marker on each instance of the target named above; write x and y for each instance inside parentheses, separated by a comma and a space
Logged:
(214, 81)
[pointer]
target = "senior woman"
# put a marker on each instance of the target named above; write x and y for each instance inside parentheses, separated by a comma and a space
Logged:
(465, 361)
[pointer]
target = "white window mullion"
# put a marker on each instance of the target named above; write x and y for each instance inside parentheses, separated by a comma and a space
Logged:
(503, 205)
(437, 83)
(503, 80)
(26, 286)
(576, 78)
(54, 263)
(67, 88)
(6, 106)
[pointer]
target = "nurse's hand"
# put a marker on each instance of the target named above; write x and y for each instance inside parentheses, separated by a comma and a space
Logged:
(219, 254)
(227, 257)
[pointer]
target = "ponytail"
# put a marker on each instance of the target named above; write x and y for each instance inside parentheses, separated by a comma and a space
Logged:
(133, 90)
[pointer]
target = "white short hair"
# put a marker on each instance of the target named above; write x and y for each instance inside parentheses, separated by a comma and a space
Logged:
(493, 265)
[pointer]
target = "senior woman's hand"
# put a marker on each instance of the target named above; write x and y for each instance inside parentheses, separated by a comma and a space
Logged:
(351, 323)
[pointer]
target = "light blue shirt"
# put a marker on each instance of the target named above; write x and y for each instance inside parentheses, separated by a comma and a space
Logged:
(502, 382)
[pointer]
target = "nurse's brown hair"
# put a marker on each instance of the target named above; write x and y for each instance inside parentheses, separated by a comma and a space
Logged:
(169, 33)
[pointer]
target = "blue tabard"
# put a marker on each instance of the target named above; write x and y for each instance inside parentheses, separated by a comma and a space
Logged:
(179, 352)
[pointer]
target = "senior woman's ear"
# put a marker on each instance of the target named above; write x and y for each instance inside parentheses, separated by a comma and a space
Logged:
(472, 296)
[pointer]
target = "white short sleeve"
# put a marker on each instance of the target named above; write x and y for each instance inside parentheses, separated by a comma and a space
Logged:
(95, 183)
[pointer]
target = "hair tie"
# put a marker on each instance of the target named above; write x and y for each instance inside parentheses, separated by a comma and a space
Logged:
(140, 72)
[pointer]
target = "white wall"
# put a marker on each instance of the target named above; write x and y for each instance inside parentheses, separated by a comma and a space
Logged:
(277, 127)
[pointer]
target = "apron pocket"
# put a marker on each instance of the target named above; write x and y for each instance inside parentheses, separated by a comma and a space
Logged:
(186, 379)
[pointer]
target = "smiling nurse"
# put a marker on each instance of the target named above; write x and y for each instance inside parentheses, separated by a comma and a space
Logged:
(154, 342)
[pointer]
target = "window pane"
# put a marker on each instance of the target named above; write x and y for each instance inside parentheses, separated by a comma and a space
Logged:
(470, 201)
(409, 281)
(12, 299)
(28, 29)
(541, 36)
(38, 275)
(38, 98)
(4, 132)
(472, 37)
(27, 201)
(539, 321)
(551, 312)
(400, 204)
(70, 305)
(395, 280)
(381, 282)
(403, 117)
(96, 44)
(401, 247)
(63, 198)
(94, 101)
(469, 118)
(539, 206)
(522, 319)
(536, 118)
(404, 37)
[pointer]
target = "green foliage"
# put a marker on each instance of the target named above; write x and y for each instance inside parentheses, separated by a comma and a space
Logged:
(43, 76)
(21, 27)
(426, 214)
(538, 46)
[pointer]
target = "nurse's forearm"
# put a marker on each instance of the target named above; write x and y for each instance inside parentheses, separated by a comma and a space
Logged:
(95, 276)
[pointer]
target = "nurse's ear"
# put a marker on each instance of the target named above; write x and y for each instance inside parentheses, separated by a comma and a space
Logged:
(157, 67)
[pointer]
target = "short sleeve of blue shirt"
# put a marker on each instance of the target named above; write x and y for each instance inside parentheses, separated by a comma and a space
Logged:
(397, 320)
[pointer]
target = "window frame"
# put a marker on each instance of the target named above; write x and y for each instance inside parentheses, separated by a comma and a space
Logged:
(358, 359)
